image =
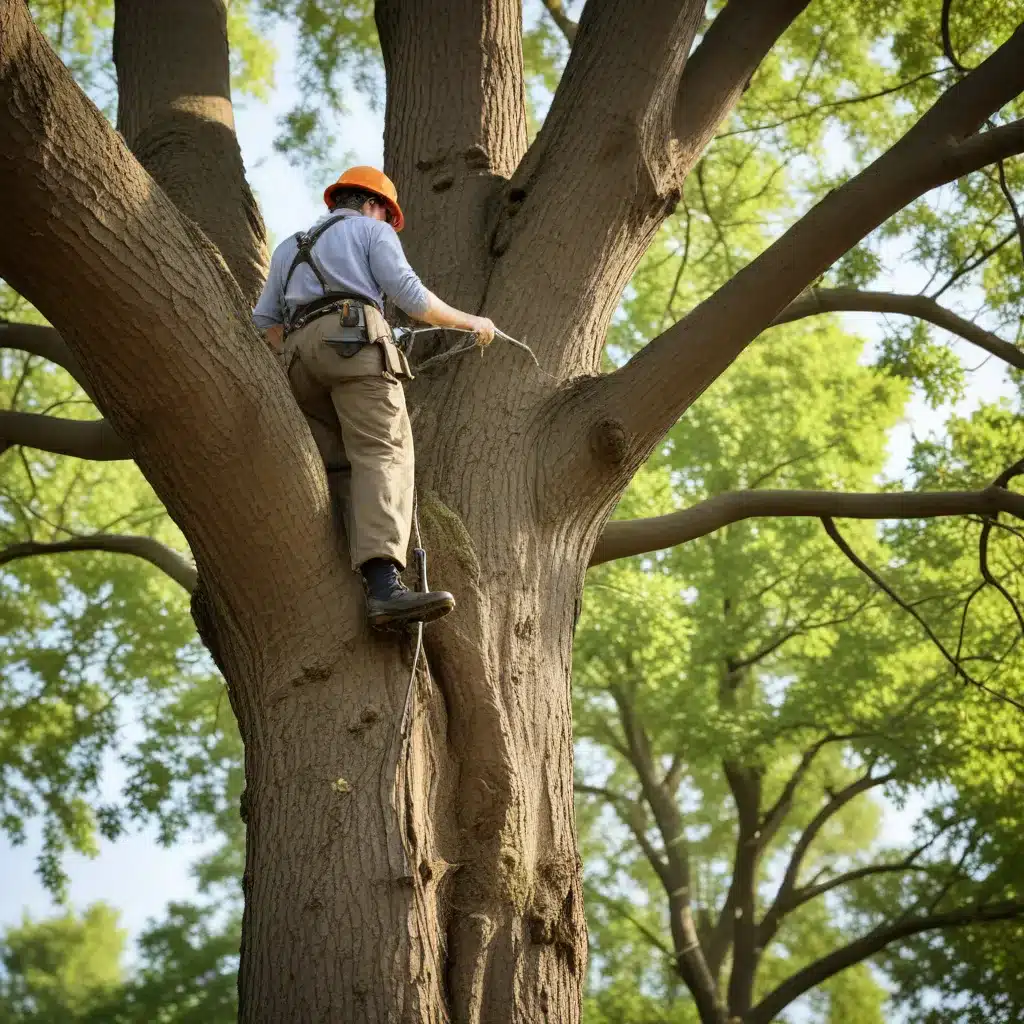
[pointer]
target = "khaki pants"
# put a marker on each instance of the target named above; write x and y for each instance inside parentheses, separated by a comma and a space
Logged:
(356, 411)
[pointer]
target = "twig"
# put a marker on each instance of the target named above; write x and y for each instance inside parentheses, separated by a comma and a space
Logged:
(840, 542)
(1008, 195)
(947, 42)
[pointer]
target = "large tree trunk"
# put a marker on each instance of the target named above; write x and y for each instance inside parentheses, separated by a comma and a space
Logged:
(434, 878)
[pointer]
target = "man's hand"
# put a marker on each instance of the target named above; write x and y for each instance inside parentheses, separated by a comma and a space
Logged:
(483, 328)
(440, 314)
(274, 337)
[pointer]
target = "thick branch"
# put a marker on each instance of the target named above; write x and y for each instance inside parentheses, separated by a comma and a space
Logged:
(167, 559)
(660, 382)
(874, 942)
(745, 785)
(609, 134)
(721, 67)
(690, 961)
(843, 300)
(44, 342)
(454, 130)
(565, 24)
(174, 110)
(625, 538)
(162, 332)
(81, 439)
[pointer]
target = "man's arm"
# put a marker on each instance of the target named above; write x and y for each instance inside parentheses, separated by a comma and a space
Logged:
(268, 315)
(439, 314)
(401, 284)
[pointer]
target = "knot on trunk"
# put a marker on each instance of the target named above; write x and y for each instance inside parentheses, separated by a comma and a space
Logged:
(610, 442)
(555, 916)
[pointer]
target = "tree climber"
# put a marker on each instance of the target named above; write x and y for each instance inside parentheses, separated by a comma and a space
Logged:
(321, 311)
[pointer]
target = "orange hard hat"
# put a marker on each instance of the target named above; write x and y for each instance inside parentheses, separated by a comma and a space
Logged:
(369, 179)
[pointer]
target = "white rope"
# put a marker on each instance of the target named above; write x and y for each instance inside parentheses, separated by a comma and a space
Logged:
(418, 650)
(444, 356)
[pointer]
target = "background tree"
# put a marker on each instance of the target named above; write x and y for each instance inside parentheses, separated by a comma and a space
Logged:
(743, 698)
(60, 969)
(460, 846)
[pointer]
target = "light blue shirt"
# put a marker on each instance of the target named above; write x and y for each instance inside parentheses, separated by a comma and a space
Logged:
(357, 256)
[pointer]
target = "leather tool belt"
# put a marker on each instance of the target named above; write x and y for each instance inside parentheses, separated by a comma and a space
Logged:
(361, 324)
(352, 309)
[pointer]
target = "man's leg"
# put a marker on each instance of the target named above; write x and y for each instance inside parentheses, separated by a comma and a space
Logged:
(378, 443)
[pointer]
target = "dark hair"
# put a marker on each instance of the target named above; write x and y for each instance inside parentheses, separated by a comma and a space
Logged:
(349, 198)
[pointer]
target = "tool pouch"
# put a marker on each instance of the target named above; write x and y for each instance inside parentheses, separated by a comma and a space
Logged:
(353, 333)
(345, 349)
(379, 331)
(350, 315)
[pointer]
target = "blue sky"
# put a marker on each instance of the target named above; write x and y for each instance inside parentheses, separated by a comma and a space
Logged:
(136, 874)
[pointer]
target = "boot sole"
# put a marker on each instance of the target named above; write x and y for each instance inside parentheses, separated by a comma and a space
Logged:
(390, 620)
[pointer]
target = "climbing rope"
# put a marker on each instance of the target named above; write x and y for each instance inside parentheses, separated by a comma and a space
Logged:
(420, 555)
(462, 349)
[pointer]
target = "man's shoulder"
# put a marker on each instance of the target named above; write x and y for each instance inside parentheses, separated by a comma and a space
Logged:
(381, 231)
(286, 247)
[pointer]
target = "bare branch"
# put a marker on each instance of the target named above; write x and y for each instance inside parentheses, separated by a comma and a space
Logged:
(634, 816)
(810, 892)
(44, 342)
(843, 300)
(626, 538)
(720, 68)
(874, 942)
(167, 559)
(776, 814)
(658, 384)
(973, 263)
(561, 19)
(822, 109)
(1018, 220)
(836, 802)
(947, 42)
(81, 439)
(956, 664)
(623, 909)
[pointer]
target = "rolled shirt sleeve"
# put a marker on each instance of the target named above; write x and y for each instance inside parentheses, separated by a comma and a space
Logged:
(270, 309)
(392, 271)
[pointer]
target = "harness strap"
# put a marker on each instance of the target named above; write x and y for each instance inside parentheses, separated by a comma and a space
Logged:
(305, 240)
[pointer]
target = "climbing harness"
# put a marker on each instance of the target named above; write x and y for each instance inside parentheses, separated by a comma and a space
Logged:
(304, 241)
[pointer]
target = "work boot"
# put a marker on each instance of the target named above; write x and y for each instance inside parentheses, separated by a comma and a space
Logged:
(389, 603)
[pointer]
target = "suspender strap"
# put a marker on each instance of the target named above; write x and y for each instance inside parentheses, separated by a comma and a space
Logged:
(304, 253)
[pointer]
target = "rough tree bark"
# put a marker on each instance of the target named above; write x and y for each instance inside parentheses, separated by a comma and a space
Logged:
(440, 879)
